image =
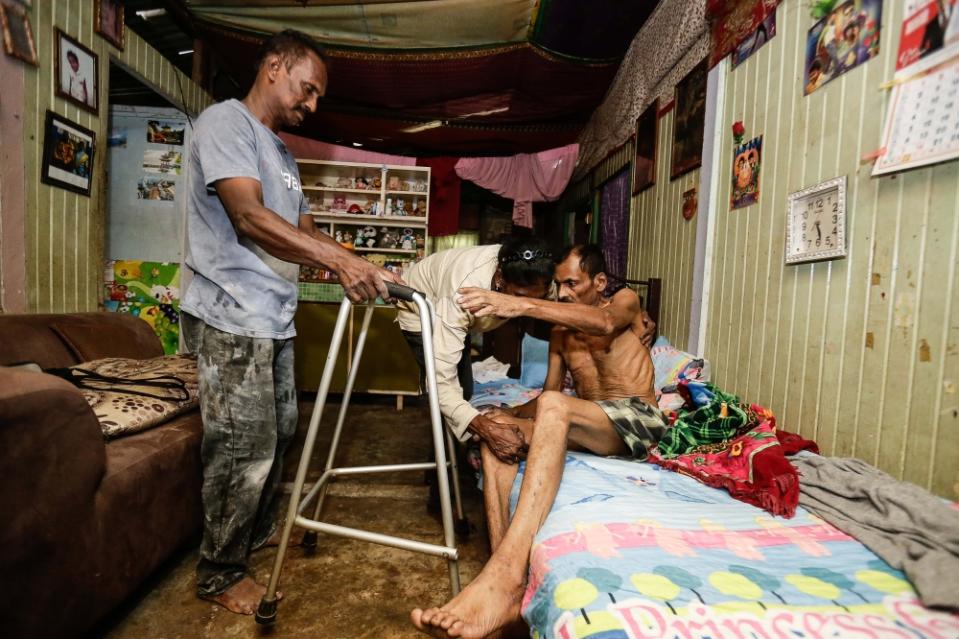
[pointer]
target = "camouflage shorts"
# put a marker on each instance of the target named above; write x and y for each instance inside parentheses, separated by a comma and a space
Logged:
(639, 424)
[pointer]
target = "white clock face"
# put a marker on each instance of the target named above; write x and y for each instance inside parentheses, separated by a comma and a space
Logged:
(816, 223)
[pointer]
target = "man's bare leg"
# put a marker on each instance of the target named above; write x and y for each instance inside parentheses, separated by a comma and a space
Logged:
(493, 599)
(242, 597)
(498, 478)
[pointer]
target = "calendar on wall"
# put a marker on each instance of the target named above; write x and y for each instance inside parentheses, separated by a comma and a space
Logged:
(922, 124)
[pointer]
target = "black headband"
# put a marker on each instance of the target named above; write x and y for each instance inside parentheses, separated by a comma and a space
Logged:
(527, 256)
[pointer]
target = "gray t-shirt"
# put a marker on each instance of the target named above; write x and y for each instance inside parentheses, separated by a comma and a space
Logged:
(238, 287)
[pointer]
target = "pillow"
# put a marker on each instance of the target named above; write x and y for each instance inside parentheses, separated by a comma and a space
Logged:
(122, 412)
(672, 364)
(534, 363)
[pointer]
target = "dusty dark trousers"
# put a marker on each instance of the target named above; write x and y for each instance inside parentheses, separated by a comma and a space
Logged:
(248, 404)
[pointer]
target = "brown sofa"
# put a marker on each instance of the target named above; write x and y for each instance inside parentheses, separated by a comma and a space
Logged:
(84, 521)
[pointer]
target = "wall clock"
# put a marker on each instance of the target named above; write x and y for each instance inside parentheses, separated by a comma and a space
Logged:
(816, 222)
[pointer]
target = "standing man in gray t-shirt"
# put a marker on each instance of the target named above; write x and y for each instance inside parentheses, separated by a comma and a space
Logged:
(248, 228)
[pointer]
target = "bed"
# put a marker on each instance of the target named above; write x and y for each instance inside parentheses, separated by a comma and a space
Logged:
(631, 550)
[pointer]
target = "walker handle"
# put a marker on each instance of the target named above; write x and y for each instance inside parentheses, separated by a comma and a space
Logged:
(398, 291)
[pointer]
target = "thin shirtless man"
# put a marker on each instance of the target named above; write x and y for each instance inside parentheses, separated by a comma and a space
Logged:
(599, 340)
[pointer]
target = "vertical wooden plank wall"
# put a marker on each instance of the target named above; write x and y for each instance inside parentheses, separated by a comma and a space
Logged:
(861, 354)
(662, 243)
(65, 232)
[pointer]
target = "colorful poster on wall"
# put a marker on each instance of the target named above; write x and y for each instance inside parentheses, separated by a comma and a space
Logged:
(159, 161)
(150, 291)
(930, 32)
(733, 22)
(150, 188)
(841, 41)
(755, 40)
(747, 160)
(165, 132)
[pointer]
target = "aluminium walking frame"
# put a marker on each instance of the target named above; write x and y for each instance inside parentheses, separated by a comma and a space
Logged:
(266, 612)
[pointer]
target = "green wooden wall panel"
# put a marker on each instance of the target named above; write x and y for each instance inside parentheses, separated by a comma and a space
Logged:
(861, 354)
(662, 243)
(65, 231)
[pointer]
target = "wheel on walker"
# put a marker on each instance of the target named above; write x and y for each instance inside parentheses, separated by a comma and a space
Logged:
(265, 614)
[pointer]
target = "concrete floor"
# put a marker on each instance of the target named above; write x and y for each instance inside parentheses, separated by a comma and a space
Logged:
(347, 589)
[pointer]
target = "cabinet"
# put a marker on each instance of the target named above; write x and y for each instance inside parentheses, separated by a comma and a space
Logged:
(387, 366)
(381, 212)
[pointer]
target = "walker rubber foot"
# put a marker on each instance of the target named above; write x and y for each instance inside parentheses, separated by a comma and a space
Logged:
(266, 612)
(309, 542)
(462, 528)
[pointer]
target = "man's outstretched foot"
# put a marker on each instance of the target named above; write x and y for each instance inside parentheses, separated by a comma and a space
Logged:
(486, 606)
(242, 597)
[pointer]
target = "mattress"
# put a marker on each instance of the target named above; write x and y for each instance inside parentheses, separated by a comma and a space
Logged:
(632, 550)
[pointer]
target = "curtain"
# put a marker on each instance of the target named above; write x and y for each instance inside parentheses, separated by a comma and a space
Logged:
(444, 195)
(614, 222)
(525, 178)
(462, 239)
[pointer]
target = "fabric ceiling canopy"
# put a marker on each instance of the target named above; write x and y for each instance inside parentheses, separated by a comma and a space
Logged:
(542, 65)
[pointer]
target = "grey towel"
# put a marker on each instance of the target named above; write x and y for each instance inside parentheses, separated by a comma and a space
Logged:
(906, 526)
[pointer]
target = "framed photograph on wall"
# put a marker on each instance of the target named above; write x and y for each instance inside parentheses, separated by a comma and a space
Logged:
(77, 77)
(18, 34)
(67, 154)
(108, 21)
(689, 121)
(644, 164)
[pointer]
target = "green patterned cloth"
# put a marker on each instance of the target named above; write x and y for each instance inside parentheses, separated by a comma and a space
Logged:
(706, 425)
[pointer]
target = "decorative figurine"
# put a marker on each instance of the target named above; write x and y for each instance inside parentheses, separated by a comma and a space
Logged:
(400, 208)
(408, 240)
(369, 236)
(347, 240)
(338, 237)
(342, 182)
(393, 183)
(339, 203)
(377, 183)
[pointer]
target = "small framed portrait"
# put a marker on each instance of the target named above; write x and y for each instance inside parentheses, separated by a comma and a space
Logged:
(644, 164)
(108, 21)
(67, 154)
(77, 73)
(689, 123)
(18, 34)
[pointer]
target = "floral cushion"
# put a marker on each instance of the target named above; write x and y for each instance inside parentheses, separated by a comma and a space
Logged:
(126, 408)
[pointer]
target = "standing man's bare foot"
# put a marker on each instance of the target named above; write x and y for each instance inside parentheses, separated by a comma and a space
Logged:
(490, 603)
(242, 597)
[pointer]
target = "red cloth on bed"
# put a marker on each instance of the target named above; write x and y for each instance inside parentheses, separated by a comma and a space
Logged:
(751, 466)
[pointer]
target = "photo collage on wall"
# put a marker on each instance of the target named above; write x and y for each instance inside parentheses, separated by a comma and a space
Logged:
(162, 160)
